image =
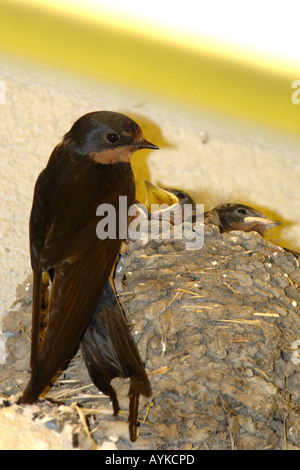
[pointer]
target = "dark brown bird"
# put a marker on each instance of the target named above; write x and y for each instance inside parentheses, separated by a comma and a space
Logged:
(229, 217)
(88, 168)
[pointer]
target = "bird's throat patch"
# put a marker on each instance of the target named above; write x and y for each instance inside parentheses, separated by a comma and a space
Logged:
(115, 155)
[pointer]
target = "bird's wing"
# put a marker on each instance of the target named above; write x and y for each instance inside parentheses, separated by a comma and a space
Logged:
(75, 291)
(82, 263)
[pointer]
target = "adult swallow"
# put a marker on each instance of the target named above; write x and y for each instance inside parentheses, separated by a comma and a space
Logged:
(110, 351)
(229, 217)
(90, 167)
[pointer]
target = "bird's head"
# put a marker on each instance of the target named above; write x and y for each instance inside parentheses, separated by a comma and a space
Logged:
(241, 217)
(106, 136)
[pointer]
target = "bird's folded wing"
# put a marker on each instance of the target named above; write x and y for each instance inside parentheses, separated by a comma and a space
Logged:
(74, 295)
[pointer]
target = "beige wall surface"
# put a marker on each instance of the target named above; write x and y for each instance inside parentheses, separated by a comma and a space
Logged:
(215, 158)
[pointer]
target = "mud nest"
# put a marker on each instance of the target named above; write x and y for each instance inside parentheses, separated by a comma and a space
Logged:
(217, 329)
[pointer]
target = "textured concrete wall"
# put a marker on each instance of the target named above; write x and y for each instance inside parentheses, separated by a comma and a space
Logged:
(215, 159)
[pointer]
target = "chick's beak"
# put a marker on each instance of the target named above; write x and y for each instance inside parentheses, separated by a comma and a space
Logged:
(262, 224)
(262, 220)
(156, 195)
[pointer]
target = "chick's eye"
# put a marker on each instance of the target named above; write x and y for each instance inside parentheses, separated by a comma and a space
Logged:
(112, 138)
(242, 211)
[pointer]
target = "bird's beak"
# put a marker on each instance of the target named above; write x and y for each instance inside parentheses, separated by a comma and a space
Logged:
(156, 195)
(263, 222)
(145, 144)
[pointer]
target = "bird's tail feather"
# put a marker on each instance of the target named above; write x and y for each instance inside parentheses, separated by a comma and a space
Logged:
(110, 351)
(29, 395)
(133, 396)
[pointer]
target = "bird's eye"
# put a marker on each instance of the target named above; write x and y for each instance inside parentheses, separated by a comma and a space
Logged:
(242, 211)
(112, 138)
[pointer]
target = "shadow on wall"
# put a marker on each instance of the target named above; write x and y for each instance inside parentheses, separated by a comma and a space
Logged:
(152, 132)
